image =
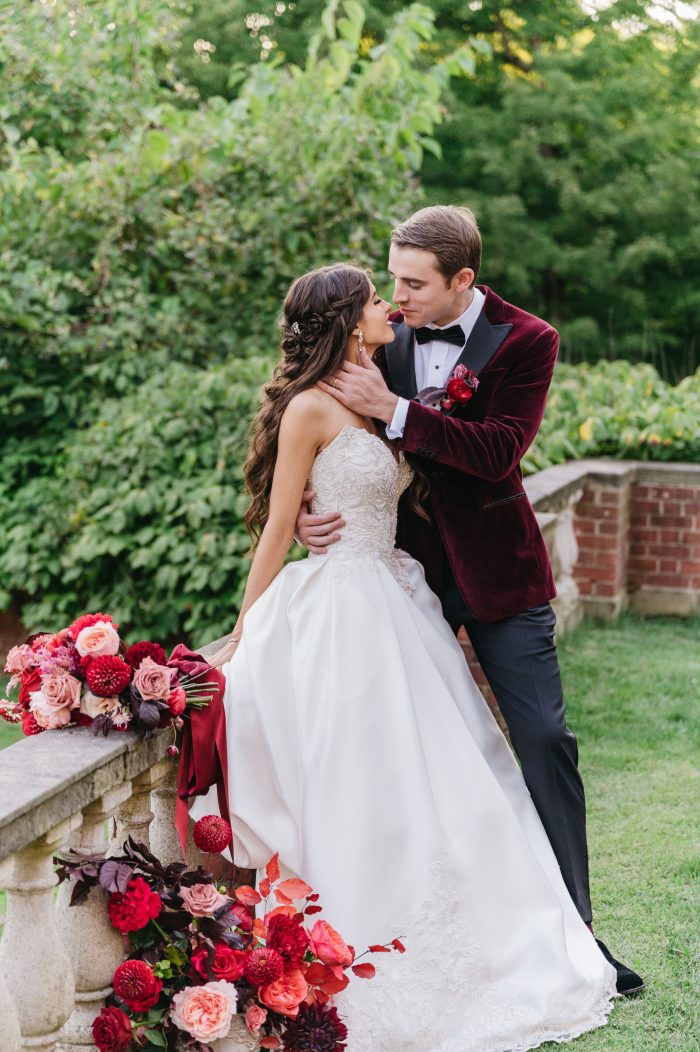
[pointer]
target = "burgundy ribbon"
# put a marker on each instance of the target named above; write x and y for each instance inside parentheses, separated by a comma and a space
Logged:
(203, 749)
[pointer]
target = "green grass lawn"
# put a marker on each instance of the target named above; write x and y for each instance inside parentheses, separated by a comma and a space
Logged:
(633, 695)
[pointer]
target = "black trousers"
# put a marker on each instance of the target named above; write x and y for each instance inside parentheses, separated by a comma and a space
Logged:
(519, 659)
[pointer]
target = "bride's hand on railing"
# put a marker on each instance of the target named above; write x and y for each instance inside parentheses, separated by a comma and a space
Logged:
(225, 654)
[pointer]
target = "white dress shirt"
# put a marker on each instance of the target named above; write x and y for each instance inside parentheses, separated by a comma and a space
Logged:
(435, 361)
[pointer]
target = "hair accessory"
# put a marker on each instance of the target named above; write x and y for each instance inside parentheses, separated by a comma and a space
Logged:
(296, 328)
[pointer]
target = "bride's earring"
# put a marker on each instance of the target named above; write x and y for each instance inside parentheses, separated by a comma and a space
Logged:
(360, 342)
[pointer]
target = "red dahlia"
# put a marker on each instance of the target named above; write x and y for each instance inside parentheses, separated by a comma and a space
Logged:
(287, 936)
(86, 621)
(107, 675)
(263, 966)
(138, 651)
(315, 1029)
(212, 834)
(111, 1031)
(135, 908)
(136, 985)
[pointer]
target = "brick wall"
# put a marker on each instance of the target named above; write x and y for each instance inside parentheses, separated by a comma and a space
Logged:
(664, 554)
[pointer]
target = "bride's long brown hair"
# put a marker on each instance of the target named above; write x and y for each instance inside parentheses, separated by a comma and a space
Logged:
(319, 314)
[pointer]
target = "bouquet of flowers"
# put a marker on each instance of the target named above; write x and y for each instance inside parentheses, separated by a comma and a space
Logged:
(85, 674)
(203, 972)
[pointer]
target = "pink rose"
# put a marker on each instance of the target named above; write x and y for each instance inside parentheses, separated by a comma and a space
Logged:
(286, 993)
(255, 1016)
(205, 1011)
(18, 659)
(53, 703)
(201, 900)
(328, 946)
(100, 638)
(152, 680)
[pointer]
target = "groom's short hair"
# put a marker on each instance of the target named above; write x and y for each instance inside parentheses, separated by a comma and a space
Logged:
(448, 231)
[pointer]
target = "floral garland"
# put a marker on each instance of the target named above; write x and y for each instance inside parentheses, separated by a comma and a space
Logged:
(202, 967)
(86, 675)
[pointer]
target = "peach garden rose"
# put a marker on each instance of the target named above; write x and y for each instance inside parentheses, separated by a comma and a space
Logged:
(97, 639)
(205, 1011)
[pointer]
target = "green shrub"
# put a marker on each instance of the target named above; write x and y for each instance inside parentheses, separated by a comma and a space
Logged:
(620, 410)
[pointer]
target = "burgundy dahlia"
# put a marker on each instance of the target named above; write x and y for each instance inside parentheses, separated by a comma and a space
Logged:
(136, 985)
(107, 675)
(263, 966)
(317, 1028)
(138, 651)
(212, 834)
(288, 937)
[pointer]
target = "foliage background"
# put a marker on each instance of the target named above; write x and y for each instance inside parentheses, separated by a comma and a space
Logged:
(166, 168)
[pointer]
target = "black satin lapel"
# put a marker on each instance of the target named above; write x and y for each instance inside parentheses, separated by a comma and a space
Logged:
(484, 340)
(401, 362)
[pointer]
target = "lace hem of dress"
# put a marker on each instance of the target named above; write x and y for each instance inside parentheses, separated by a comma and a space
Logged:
(440, 996)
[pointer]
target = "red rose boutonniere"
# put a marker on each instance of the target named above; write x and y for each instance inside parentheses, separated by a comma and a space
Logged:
(461, 385)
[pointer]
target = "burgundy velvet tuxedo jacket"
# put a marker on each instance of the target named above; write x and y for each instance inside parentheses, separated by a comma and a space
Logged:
(480, 515)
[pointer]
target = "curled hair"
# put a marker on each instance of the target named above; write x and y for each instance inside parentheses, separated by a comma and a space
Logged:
(320, 312)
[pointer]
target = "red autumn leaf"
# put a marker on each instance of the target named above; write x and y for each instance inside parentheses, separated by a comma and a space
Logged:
(365, 971)
(322, 978)
(398, 945)
(322, 997)
(379, 949)
(281, 911)
(272, 868)
(259, 928)
(295, 888)
(271, 1042)
(264, 887)
(248, 896)
(316, 973)
(313, 909)
(315, 897)
(281, 897)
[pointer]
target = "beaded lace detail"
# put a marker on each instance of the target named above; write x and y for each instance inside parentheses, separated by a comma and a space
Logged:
(358, 475)
(440, 996)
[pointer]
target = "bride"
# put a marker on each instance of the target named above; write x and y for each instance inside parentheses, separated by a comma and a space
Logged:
(360, 748)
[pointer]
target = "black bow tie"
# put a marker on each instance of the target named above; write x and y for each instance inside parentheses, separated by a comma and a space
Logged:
(455, 334)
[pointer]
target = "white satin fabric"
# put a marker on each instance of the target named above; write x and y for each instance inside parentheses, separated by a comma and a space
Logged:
(361, 749)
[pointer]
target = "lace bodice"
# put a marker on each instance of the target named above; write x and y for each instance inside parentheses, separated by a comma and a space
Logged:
(358, 476)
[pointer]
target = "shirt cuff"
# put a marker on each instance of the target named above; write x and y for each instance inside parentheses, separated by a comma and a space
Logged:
(398, 421)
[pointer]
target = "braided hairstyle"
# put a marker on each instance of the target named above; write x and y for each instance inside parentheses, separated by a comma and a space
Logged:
(320, 312)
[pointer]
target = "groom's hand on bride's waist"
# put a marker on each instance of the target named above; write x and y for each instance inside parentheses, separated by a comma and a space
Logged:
(316, 532)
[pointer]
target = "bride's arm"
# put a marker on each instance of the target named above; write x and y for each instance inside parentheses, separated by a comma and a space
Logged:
(300, 437)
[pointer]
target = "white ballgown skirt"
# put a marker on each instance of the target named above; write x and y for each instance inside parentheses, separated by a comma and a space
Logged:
(361, 750)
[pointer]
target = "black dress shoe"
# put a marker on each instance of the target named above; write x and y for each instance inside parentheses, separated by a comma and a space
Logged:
(628, 982)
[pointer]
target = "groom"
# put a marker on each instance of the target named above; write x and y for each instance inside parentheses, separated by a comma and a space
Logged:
(482, 550)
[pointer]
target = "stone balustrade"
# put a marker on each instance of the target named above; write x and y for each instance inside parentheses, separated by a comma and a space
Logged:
(70, 789)
(620, 534)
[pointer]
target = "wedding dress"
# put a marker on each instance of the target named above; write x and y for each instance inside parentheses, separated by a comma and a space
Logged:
(362, 751)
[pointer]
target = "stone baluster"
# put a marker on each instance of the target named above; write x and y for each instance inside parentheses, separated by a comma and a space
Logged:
(164, 839)
(10, 1038)
(134, 817)
(35, 963)
(95, 947)
(568, 602)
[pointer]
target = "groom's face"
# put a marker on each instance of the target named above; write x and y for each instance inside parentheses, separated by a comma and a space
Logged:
(421, 292)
